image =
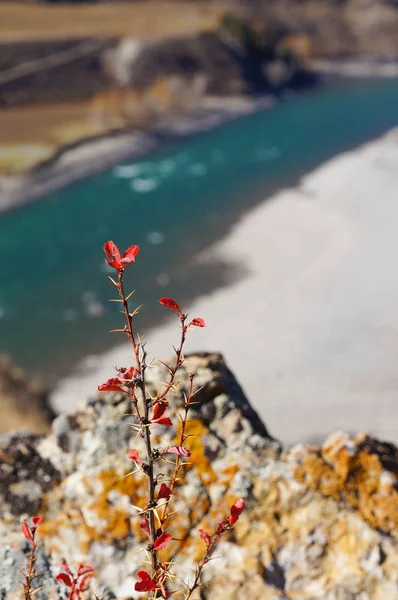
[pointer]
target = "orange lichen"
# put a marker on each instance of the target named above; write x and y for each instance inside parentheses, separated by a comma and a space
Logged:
(114, 521)
(50, 528)
(227, 474)
(356, 477)
(198, 460)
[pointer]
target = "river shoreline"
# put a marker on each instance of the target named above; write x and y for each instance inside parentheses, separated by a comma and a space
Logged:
(92, 156)
(318, 309)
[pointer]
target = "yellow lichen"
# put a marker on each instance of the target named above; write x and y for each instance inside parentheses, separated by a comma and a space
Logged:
(354, 477)
(113, 521)
(198, 460)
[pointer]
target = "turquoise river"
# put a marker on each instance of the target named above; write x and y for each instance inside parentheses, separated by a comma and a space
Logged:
(173, 202)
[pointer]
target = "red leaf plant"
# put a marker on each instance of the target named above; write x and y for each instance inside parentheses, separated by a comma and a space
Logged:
(29, 533)
(147, 584)
(116, 261)
(149, 410)
(78, 583)
(212, 541)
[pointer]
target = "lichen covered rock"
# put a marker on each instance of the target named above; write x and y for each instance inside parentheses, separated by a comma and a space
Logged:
(320, 523)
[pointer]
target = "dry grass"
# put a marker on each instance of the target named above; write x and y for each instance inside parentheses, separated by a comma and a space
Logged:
(29, 124)
(21, 21)
(32, 133)
(27, 134)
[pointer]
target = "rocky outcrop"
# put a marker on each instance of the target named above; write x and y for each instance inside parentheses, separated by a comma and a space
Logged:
(260, 46)
(336, 29)
(23, 400)
(233, 60)
(320, 523)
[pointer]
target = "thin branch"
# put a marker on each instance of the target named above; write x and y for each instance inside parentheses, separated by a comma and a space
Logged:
(30, 575)
(177, 464)
(144, 419)
(179, 359)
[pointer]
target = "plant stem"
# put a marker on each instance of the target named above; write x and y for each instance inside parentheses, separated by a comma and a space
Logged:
(141, 367)
(182, 439)
(179, 361)
(30, 574)
(151, 479)
(200, 567)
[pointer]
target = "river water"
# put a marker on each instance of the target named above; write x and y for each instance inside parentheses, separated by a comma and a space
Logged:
(174, 202)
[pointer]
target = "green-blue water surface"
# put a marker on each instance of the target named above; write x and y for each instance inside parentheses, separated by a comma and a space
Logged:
(173, 203)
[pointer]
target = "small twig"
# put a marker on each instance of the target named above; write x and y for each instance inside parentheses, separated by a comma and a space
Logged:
(179, 359)
(183, 437)
(29, 532)
(30, 575)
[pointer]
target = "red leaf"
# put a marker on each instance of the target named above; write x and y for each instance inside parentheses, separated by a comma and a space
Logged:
(164, 492)
(83, 582)
(170, 303)
(130, 254)
(165, 422)
(236, 511)
(147, 584)
(26, 530)
(126, 375)
(144, 525)
(133, 454)
(65, 579)
(144, 575)
(82, 570)
(180, 450)
(36, 522)
(198, 322)
(112, 385)
(162, 541)
(112, 255)
(159, 409)
(66, 568)
(205, 537)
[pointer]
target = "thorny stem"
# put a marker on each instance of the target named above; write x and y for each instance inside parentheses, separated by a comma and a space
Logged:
(179, 360)
(182, 439)
(141, 366)
(129, 318)
(30, 575)
(200, 567)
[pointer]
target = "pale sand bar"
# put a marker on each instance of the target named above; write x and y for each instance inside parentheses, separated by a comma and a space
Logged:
(312, 331)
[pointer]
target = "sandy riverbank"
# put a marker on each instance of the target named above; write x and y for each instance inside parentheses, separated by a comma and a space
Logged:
(92, 156)
(312, 330)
